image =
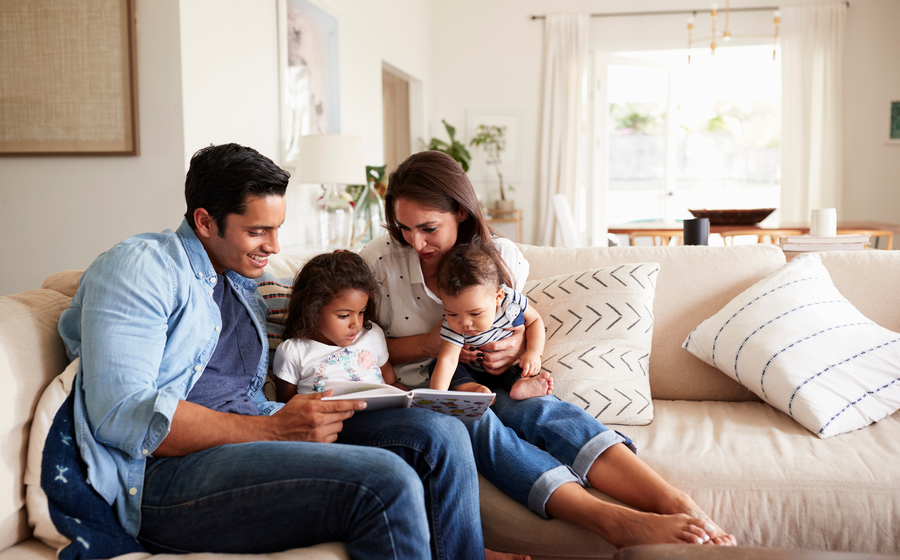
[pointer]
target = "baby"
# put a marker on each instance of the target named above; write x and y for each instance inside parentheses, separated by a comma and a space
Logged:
(480, 307)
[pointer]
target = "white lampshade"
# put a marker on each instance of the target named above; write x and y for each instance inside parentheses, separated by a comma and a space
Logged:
(330, 158)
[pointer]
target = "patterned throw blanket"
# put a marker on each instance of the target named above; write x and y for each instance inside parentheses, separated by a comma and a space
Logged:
(77, 510)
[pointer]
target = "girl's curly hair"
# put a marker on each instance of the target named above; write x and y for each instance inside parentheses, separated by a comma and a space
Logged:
(321, 280)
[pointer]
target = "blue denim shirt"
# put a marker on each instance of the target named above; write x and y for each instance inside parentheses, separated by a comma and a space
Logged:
(145, 324)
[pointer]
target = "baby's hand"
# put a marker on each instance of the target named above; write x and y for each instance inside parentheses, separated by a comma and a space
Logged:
(530, 362)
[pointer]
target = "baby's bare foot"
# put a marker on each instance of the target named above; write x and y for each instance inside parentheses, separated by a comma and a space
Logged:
(538, 386)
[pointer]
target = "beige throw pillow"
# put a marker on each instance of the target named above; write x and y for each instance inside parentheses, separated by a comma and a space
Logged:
(599, 328)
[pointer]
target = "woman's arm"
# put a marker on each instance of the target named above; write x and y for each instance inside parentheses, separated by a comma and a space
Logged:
(499, 356)
(410, 348)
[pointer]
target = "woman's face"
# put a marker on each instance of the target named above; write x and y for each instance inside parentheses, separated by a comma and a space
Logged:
(430, 232)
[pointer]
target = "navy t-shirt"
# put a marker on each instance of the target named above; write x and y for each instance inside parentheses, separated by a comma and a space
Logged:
(225, 382)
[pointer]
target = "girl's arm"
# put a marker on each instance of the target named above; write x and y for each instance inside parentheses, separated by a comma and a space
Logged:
(284, 390)
(447, 360)
(387, 374)
(535, 337)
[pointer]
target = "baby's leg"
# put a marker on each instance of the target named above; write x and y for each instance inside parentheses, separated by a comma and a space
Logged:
(527, 387)
(472, 388)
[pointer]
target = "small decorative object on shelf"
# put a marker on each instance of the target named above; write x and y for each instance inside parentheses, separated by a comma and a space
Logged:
(368, 206)
(492, 139)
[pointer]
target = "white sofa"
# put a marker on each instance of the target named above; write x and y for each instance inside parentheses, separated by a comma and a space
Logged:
(758, 473)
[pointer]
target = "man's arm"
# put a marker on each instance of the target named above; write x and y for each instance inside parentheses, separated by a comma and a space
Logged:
(303, 418)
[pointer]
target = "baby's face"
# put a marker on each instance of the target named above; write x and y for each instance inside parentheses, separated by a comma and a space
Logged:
(473, 310)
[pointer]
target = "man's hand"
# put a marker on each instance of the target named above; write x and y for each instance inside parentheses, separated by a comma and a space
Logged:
(307, 418)
(499, 356)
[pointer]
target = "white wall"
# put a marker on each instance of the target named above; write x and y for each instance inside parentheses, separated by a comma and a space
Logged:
(229, 60)
(871, 77)
(59, 213)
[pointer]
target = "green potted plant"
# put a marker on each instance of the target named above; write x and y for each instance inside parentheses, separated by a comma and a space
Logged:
(492, 139)
(455, 149)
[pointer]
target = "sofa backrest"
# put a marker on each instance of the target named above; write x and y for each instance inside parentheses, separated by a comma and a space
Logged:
(31, 355)
(695, 282)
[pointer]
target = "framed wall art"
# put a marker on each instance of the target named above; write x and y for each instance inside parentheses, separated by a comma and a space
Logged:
(894, 122)
(69, 84)
(511, 121)
(310, 72)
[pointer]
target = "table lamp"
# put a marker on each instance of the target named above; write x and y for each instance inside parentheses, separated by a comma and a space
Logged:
(332, 160)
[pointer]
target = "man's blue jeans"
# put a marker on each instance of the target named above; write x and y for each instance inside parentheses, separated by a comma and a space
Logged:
(415, 497)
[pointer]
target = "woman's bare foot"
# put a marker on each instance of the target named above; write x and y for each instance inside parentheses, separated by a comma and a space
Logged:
(633, 527)
(494, 555)
(716, 534)
(528, 387)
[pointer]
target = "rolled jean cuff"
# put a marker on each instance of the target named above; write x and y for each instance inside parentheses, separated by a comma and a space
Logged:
(594, 448)
(545, 485)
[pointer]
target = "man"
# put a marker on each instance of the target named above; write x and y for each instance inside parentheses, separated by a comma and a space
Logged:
(176, 432)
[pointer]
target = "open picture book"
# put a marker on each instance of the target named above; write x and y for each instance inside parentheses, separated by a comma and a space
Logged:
(465, 406)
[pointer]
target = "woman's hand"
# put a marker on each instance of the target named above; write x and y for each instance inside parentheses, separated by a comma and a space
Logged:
(499, 356)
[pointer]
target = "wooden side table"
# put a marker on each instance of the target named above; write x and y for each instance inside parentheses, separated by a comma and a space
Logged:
(506, 217)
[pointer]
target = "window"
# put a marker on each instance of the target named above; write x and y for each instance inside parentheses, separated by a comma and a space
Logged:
(671, 136)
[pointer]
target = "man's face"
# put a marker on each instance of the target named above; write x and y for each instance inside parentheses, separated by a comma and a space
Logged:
(248, 240)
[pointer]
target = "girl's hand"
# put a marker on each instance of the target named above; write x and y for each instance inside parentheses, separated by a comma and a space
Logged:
(497, 357)
(530, 362)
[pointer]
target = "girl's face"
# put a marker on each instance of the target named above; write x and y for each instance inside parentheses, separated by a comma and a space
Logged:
(473, 310)
(430, 232)
(341, 319)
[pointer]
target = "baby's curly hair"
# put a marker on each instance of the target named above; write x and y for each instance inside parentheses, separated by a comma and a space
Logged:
(471, 264)
(321, 280)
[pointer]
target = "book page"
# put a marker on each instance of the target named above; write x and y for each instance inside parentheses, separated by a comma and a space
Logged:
(463, 405)
(348, 387)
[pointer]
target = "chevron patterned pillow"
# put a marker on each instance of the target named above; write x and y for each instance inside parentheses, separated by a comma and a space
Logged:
(599, 327)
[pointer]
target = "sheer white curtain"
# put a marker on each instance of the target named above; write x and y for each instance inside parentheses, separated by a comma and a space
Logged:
(565, 57)
(811, 43)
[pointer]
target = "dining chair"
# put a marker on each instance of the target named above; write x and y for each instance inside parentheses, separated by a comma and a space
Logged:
(773, 235)
(873, 234)
(659, 236)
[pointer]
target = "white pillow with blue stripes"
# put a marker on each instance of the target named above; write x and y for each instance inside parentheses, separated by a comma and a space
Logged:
(795, 341)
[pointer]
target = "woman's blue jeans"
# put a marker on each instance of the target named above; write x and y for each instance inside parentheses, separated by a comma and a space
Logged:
(398, 484)
(529, 448)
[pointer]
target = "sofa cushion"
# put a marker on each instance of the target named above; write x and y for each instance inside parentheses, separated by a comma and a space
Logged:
(801, 346)
(599, 325)
(31, 354)
(694, 282)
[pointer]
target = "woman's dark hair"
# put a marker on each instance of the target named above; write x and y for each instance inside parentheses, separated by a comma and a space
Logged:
(221, 178)
(437, 182)
(471, 264)
(321, 280)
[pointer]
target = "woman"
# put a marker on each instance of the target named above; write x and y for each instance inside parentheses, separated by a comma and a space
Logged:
(554, 447)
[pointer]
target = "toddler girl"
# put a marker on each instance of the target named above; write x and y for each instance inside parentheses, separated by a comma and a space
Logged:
(480, 307)
(330, 333)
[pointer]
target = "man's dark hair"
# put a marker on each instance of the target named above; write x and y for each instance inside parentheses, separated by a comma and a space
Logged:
(221, 178)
